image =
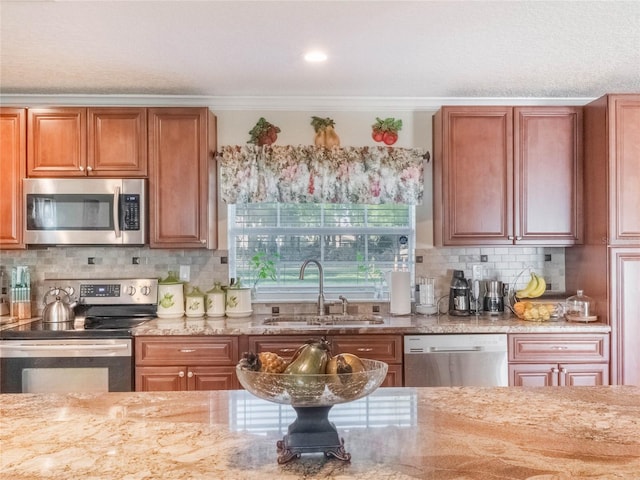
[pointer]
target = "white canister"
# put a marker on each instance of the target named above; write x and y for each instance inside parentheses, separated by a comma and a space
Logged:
(215, 301)
(238, 302)
(170, 297)
(194, 303)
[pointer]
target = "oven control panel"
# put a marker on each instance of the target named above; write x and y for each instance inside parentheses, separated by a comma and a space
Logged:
(126, 291)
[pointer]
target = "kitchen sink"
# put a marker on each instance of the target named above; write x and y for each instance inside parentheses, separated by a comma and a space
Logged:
(323, 320)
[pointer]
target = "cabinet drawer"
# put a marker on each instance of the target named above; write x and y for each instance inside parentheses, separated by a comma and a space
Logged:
(283, 345)
(386, 348)
(186, 351)
(559, 347)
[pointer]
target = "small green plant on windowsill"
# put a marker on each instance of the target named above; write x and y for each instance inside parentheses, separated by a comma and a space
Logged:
(263, 266)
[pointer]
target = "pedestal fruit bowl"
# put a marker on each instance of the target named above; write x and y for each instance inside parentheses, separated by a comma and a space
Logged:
(312, 395)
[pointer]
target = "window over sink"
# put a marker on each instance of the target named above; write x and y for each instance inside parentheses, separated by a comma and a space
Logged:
(356, 244)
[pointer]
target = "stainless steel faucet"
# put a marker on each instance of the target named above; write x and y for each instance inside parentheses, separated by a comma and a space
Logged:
(321, 283)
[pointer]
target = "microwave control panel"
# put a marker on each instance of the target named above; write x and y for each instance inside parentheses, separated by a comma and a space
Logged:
(130, 212)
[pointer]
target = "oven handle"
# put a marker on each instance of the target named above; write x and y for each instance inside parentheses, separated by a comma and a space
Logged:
(116, 346)
(116, 219)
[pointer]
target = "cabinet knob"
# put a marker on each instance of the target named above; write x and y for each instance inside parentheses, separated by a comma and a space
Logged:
(81, 168)
(89, 169)
(203, 241)
(181, 374)
(190, 374)
(563, 370)
(555, 370)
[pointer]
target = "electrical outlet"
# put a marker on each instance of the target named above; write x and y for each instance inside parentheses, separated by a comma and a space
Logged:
(185, 273)
(477, 272)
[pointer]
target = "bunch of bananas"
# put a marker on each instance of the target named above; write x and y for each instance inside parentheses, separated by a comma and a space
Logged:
(534, 288)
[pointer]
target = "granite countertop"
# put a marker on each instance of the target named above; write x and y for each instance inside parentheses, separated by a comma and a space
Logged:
(405, 325)
(395, 433)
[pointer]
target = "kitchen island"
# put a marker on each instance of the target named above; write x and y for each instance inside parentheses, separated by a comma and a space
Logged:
(395, 433)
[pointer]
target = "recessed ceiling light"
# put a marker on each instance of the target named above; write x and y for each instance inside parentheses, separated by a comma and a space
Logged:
(315, 56)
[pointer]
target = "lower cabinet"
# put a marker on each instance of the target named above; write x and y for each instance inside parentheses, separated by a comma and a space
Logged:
(558, 359)
(385, 348)
(172, 363)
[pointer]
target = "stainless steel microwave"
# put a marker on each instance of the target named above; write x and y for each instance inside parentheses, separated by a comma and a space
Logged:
(88, 211)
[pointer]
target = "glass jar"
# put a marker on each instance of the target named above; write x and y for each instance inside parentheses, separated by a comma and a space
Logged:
(580, 305)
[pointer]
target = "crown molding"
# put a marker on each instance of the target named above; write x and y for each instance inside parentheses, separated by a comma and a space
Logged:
(302, 103)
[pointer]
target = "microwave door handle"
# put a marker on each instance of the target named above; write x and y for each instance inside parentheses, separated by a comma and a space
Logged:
(116, 219)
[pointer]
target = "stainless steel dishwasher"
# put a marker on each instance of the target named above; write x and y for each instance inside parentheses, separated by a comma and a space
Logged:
(455, 360)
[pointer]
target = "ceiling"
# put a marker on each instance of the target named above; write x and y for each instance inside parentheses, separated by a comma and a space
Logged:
(377, 49)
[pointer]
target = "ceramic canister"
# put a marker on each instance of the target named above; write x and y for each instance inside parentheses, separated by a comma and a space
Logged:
(170, 297)
(238, 302)
(194, 303)
(215, 301)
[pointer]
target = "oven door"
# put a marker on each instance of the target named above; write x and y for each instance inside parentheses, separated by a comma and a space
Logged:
(66, 365)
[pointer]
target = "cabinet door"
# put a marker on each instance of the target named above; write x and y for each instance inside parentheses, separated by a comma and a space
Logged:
(56, 142)
(161, 379)
(117, 142)
(625, 315)
(548, 175)
(584, 375)
(181, 146)
(13, 162)
(624, 169)
(212, 378)
(473, 176)
(533, 375)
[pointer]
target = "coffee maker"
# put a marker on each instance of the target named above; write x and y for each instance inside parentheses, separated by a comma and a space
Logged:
(494, 297)
(459, 295)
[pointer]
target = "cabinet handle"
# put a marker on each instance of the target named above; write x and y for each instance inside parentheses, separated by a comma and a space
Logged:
(364, 349)
(554, 370)
(518, 237)
(81, 168)
(287, 350)
(563, 370)
(559, 347)
(181, 374)
(187, 350)
(190, 374)
(203, 241)
(89, 169)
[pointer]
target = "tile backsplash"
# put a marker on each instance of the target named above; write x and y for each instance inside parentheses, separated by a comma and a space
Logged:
(502, 263)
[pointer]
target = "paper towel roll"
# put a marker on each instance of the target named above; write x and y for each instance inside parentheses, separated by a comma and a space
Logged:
(399, 293)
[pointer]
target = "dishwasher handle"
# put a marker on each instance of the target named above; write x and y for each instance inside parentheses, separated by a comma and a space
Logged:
(454, 349)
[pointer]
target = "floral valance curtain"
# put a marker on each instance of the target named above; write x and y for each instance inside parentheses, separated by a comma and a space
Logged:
(305, 173)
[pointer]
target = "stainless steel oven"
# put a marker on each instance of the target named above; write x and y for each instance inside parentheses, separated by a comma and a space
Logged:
(66, 365)
(94, 353)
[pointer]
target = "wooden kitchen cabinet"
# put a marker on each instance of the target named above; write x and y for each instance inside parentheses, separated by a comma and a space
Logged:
(81, 142)
(13, 122)
(182, 174)
(552, 359)
(507, 175)
(607, 266)
(386, 348)
(169, 363)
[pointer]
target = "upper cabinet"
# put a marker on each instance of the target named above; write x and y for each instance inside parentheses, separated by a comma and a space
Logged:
(79, 142)
(182, 173)
(508, 176)
(13, 123)
(612, 158)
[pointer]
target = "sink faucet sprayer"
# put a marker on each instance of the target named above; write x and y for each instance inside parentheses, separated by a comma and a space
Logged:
(321, 284)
